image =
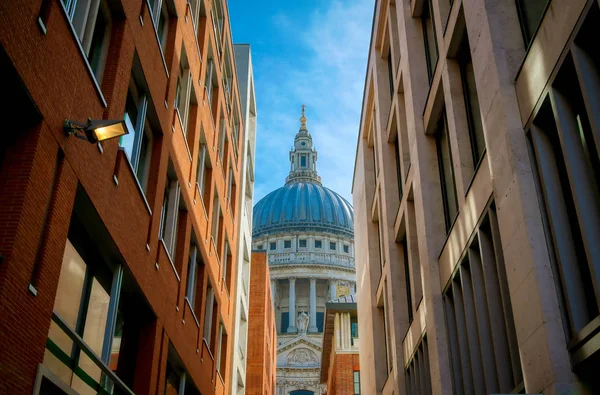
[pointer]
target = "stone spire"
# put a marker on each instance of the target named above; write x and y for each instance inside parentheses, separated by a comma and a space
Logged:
(303, 157)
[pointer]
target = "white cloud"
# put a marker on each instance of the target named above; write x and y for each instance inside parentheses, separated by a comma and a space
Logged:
(324, 68)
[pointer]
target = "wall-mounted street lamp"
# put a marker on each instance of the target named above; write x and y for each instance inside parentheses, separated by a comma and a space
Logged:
(95, 130)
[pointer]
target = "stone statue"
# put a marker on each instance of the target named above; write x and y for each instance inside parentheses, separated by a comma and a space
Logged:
(302, 323)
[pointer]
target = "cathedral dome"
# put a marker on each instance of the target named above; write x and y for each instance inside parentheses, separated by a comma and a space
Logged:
(303, 206)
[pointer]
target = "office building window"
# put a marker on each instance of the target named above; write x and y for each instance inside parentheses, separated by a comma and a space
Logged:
(227, 266)
(287, 244)
(92, 22)
(222, 353)
(479, 317)
(417, 375)
(530, 16)
(397, 154)
(195, 278)
(429, 41)
(390, 73)
(471, 101)
(211, 311)
(161, 11)
(137, 144)
(95, 301)
(318, 244)
(185, 96)
(565, 145)
(332, 245)
(356, 375)
(204, 169)
(169, 215)
(210, 80)
(446, 170)
(408, 287)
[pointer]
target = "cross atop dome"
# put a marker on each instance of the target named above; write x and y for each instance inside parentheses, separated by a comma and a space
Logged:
(303, 157)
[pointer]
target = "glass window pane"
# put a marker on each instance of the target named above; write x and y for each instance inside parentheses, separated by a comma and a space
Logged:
(446, 174)
(131, 113)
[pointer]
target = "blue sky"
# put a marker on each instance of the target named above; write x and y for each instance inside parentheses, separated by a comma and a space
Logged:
(310, 52)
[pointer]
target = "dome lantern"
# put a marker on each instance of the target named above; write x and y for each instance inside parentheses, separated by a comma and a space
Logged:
(303, 157)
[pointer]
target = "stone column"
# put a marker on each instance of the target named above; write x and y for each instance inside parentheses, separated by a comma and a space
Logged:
(292, 302)
(313, 306)
(274, 290)
(332, 289)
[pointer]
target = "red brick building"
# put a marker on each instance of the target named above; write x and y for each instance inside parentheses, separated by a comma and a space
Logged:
(116, 257)
(262, 333)
(340, 367)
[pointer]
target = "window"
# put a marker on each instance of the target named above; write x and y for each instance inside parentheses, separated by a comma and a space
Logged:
(356, 382)
(222, 138)
(94, 300)
(273, 246)
(259, 247)
(408, 287)
(320, 321)
(566, 152)
(92, 22)
(479, 316)
(231, 190)
(417, 374)
(398, 167)
(177, 379)
(332, 245)
(210, 80)
(446, 170)
(195, 278)
(170, 212)
(287, 244)
(195, 6)
(285, 321)
(227, 266)
(302, 243)
(354, 328)
(161, 14)
(431, 51)
(204, 170)
(211, 309)
(530, 16)
(318, 244)
(216, 223)
(471, 101)
(346, 248)
(137, 144)
(303, 161)
(216, 14)
(222, 353)
(390, 73)
(183, 92)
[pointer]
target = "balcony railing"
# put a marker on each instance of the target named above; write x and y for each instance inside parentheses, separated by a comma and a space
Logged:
(311, 258)
(112, 382)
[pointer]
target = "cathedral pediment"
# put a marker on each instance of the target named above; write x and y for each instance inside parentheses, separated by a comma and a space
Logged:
(299, 341)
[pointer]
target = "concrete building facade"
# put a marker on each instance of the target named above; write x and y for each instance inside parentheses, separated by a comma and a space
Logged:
(261, 367)
(243, 61)
(307, 230)
(118, 257)
(340, 364)
(476, 198)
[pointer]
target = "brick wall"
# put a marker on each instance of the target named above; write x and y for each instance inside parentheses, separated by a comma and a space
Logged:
(42, 168)
(341, 377)
(262, 337)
